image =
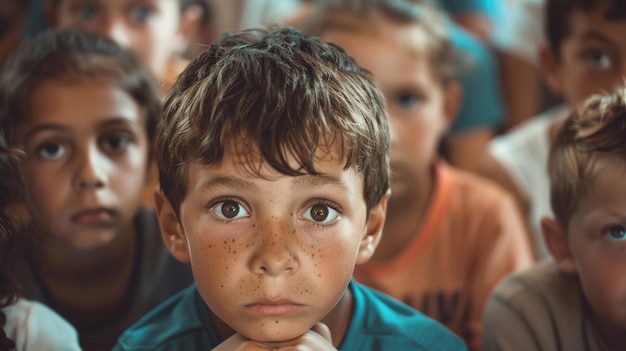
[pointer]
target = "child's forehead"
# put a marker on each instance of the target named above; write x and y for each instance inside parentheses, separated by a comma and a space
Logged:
(379, 27)
(596, 18)
(250, 156)
(81, 101)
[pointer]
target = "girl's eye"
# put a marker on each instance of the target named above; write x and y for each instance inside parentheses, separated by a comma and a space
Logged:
(51, 151)
(229, 210)
(142, 14)
(616, 233)
(320, 213)
(599, 59)
(116, 142)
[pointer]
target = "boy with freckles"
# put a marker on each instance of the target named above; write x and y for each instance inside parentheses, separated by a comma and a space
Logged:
(273, 157)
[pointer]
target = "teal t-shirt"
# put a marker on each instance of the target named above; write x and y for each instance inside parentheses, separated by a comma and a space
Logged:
(378, 323)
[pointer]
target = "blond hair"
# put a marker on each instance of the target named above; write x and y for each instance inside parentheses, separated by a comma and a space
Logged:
(593, 136)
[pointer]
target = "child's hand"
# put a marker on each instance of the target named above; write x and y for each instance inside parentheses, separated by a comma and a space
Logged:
(316, 339)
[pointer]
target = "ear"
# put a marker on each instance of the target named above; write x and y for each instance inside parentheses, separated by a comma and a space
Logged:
(551, 68)
(453, 100)
(171, 230)
(373, 230)
(556, 241)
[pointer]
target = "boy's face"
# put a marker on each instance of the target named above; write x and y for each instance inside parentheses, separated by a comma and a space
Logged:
(272, 255)
(417, 103)
(597, 242)
(87, 160)
(147, 28)
(593, 56)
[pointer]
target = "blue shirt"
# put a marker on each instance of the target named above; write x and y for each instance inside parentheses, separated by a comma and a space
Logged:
(482, 105)
(378, 323)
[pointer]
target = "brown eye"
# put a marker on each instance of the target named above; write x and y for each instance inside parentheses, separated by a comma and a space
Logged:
(229, 209)
(319, 213)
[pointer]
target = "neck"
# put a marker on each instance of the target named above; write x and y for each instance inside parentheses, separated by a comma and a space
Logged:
(405, 216)
(88, 288)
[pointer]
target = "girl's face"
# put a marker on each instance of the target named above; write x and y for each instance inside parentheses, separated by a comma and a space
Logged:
(87, 157)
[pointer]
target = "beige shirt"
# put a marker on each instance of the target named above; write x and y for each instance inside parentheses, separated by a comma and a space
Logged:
(472, 237)
(539, 309)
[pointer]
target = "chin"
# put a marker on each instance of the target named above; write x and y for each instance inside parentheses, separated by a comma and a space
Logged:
(90, 241)
(279, 332)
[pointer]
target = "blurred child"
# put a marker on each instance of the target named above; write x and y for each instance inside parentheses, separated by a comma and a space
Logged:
(481, 112)
(576, 301)
(274, 167)
(156, 31)
(586, 54)
(85, 112)
(24, 325)
(449, 236)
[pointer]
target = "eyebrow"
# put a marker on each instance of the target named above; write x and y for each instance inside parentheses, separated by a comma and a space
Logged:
(593, 35)
(227, 182)
(304, 180)
(60, 128)
(319, 180)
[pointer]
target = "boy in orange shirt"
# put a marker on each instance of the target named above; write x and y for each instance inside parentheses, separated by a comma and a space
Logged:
(449, 236)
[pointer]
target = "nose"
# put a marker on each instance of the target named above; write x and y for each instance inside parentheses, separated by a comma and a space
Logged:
(274, 254)
(90, 174)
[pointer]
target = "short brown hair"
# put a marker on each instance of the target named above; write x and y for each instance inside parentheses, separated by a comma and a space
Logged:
(442, 56)
(593, 136)
(70, 55)
(287, 94)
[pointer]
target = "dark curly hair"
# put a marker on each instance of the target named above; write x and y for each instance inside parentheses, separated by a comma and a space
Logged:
(12, 192)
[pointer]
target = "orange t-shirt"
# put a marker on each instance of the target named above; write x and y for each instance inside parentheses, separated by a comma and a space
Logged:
(472, 237)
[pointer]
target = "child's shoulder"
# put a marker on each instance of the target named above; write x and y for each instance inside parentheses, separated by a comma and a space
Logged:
(543, 281)
(528, 135)
(380, 322)
(33, 325)
(540, 306)
(182, 322)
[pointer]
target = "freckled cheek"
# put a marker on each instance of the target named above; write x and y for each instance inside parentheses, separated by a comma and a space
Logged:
(331, 257)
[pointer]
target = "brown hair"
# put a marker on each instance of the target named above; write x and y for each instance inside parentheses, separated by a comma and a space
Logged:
(282, 94)
(71, 55)
(13, 235)
(357, 15)
(590, 138)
